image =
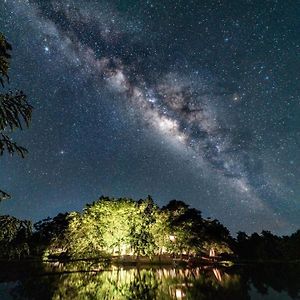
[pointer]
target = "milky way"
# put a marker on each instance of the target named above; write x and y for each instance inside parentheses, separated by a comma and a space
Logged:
(187, 107)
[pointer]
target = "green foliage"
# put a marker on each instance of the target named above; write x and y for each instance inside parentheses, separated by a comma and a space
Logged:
(124, 227)
(141, 237)
(15, 111)
(114, 227)
(14, 237)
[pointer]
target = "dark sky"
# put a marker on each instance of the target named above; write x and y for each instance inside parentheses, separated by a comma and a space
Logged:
(193, 100)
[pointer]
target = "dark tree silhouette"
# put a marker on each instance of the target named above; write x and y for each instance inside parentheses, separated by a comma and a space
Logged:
(15, 111)
(47, 231)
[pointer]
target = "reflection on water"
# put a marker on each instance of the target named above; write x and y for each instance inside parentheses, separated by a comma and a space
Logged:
(94, 280)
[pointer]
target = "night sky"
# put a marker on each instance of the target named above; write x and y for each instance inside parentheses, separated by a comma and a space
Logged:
(191, 100)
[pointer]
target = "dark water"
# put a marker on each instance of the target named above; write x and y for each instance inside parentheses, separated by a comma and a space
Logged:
(93, 280)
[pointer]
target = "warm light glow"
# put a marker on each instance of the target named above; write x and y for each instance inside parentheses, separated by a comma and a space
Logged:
(217, 274)
(179, 294)
(212, 252)
(172, 238)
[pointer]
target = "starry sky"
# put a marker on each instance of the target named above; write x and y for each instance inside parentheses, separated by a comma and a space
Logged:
(183, 99)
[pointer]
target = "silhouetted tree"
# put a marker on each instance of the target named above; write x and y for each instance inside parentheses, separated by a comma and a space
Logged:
(50, 230)
(292, 245)
(15, 111)
(186, 226)
(267, 246)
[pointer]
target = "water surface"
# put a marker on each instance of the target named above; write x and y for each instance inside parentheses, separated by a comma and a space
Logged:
(95, 280)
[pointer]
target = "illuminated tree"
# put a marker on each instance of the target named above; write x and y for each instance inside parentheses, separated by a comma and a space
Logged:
(141, 238)
(114, 227)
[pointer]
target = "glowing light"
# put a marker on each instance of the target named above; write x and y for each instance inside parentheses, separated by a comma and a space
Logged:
(167, 125)
(236, 97)
(217, 274)
(152, 100)
(172, 238)
(179, 294)
(212, 252)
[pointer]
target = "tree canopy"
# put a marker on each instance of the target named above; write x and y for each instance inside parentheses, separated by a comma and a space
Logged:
(123, 226)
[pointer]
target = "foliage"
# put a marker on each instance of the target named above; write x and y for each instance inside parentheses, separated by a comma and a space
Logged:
(48, 231)
(193, 233)
(114, 227)
(14, 237)
(124, 227)
(15, 111)
(5, 48)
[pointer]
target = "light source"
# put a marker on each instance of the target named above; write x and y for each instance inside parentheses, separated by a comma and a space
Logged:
(172, 238)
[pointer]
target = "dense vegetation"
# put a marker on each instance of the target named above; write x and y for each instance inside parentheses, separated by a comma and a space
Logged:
(127, 227)
(14, 237)
(113, 227)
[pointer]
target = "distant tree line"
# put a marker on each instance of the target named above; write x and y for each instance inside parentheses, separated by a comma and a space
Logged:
(113, 227)
(267, 246)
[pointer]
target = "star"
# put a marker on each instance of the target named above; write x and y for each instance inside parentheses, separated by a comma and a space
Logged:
(206, 98)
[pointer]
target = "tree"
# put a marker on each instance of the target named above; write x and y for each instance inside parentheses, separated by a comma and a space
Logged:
(49, 231)
(15, 111)
(141, 237)
(186, 226)
(123, 226)
(14, 236)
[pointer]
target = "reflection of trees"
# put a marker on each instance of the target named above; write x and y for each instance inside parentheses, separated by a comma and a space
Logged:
(87, 280)
(206, 288)
(280, 277)
(116, 284)
(72, 281)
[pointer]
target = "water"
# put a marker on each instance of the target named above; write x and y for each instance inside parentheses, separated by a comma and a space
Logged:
(95, 280)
